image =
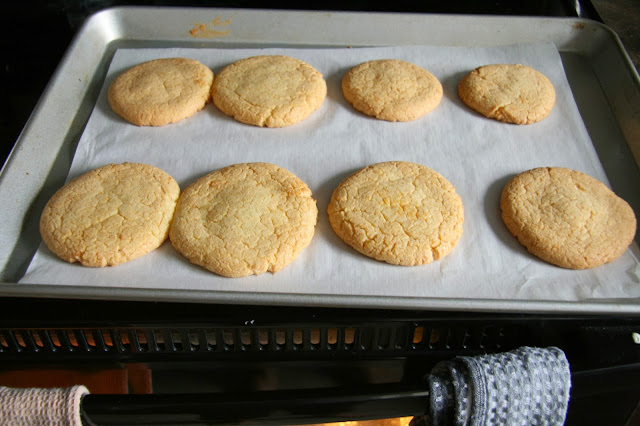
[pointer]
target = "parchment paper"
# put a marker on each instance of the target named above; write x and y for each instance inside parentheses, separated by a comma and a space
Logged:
(477, 155)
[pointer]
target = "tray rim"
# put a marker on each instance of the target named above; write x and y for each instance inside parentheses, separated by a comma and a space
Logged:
(605, 307)
(127, 35)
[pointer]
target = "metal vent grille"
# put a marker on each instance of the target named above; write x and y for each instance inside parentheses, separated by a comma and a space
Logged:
(401, 338)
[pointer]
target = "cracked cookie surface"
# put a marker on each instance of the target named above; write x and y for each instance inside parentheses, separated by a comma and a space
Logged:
(511, 93)
(161, 91)
(397, 212)
(269, 91)
(566, 217)
(391, 89)
(110, 215)
(244, 219)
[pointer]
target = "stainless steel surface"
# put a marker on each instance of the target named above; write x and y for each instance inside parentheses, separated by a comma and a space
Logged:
(623, 16)
(605, 84)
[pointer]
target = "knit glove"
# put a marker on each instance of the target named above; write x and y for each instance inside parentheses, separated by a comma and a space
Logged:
(38, 406)
(527, 386)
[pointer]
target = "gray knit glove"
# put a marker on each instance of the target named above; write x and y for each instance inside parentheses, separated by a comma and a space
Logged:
(528, 386)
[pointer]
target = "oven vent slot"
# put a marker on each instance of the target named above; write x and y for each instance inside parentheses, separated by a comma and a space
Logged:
(427, 337)
(387, 338)
(35, 341)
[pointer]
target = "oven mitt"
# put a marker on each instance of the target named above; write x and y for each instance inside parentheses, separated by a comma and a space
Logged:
(38, 406)
(522, 387)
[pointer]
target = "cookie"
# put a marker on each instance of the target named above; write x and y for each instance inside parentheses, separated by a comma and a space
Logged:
(567, 218)
(110, 215)
(397, 212)
(244, 219)
(160, 92)
(511, 93)
(391, 90)
(269, 91)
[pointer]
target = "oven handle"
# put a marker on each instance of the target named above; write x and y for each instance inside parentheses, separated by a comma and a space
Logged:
(613, 387)
(299, 406)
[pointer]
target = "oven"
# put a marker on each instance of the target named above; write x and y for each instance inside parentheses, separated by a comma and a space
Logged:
(172, 356)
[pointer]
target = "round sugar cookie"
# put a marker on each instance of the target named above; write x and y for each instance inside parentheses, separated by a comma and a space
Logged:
(511, 93)
(269, 91)
(566, 217)
(397, 212)
(161, 91)
(244, 219)
(391, 89)
(110, 215)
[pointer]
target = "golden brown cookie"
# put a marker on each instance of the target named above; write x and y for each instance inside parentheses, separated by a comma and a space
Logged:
(567, 218)
(271, 91)
(391, 89)
(244, 219)
(511, 93)
(161, 91)
(398, 212)
(110, 215)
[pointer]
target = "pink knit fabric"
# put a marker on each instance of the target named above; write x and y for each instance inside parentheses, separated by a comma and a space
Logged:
(36, 406)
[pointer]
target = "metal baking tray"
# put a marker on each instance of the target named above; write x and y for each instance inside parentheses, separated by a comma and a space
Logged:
(604, 82)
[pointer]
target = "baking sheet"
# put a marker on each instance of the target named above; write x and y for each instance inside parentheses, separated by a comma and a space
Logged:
(476, 154)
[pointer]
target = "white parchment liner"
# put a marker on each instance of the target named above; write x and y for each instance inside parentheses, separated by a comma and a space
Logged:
(477, 155)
